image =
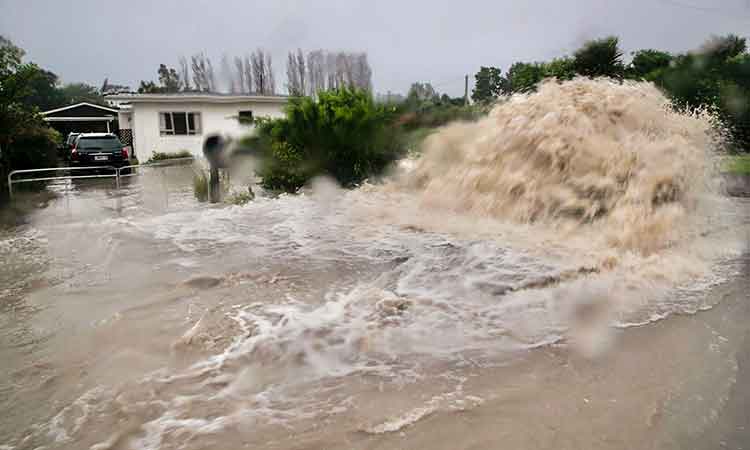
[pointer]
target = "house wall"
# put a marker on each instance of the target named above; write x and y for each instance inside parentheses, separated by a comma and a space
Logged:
(215, 118)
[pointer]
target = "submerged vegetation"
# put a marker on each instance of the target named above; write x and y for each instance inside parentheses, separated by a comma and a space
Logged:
(162, 156)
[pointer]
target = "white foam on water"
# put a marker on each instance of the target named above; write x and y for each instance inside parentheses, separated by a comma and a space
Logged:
(561, 215)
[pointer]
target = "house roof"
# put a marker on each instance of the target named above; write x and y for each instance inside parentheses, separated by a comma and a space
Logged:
(192, 97)
(78, 105)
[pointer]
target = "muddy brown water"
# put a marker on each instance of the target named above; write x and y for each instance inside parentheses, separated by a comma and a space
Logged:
(141, 319)
(564, 273)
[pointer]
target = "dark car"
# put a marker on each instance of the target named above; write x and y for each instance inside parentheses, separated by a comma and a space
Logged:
(99, 149)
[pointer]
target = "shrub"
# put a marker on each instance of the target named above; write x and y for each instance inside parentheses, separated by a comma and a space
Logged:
(240, 198)
(161, 156)
(200, 184)
(344, 134)
(33, 148)
(439, 115)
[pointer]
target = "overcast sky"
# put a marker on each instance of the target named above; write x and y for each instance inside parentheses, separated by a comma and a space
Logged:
(436, 41)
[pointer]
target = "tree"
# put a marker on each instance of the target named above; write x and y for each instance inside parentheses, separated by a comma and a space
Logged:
(344, 134)
(149, 87)
(716, 76)
(82, 92)
(523, 77)
(646, 62)
(203, 73)
(25, 140)
(16, 80)
(600, 58)
(263, 76)
(169, 79)
(722, 48)
(421, 95)
(45, 93)
(488, 86)
(561, 69)
(295, 82)
(108, 87)
(185, 74)
(316, 72)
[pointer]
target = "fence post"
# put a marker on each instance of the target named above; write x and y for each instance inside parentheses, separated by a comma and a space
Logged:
(10, 186)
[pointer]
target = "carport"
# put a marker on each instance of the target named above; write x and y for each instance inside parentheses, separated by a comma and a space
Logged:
(82, 118)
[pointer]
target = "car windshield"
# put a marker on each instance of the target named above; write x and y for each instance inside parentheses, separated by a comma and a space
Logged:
(99, 143)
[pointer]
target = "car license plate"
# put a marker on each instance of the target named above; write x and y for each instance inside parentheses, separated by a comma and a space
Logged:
(101, 158)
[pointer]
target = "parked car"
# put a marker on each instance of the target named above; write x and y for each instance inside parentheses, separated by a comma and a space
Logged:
(71, 139)
(67, 146)
(99, 149)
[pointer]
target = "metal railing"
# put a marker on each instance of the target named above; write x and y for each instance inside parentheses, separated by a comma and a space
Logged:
(116, 172)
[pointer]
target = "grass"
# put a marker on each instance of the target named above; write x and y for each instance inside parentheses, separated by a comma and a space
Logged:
(161, 156)
(200, 188)
(737, 164)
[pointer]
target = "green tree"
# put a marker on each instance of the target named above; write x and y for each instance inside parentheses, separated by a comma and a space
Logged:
(716, 76)
(600, 58)
(489, 84)
(25, 141)
(560, 68)
(169, 82)
(45, 92)
(523, 77)
(344, 134)
(82, 92)
(646, 63)
(421, 95)
(149, 87)
(169, 79)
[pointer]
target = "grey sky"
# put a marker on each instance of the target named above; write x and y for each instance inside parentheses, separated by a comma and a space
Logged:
(437, 41)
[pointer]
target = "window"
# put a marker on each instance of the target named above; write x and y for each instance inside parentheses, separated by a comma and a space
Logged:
(179, 123)
(246, 117)
(99, 143)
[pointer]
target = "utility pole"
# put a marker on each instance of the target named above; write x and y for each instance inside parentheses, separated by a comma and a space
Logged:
(466, 91)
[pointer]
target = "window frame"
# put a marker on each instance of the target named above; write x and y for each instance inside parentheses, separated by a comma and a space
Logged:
(245, 120)
(197, 129)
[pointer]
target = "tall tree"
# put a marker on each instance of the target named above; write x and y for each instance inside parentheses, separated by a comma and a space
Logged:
(263, 75)
(421, 95)
(316, 72)
(82, 92)
(646, 62)
(228, 77)
(488, 85)
(301, 72)
(203, 73)
(25, 141)
(185, 74)
(44, 92)
(524, 77)
(169, 79)
(240, 76)
(600, 58)
(111, 88)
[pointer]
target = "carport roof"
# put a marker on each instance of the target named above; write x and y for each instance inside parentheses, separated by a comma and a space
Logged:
(82, 105)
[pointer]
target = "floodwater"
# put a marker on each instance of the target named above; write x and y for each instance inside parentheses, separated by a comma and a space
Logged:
(388, 316)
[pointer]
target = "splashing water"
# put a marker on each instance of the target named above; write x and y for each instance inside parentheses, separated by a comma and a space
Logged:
(615, 155)
(586, 205)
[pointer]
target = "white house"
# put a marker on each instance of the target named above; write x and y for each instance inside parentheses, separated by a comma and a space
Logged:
(175, 122)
